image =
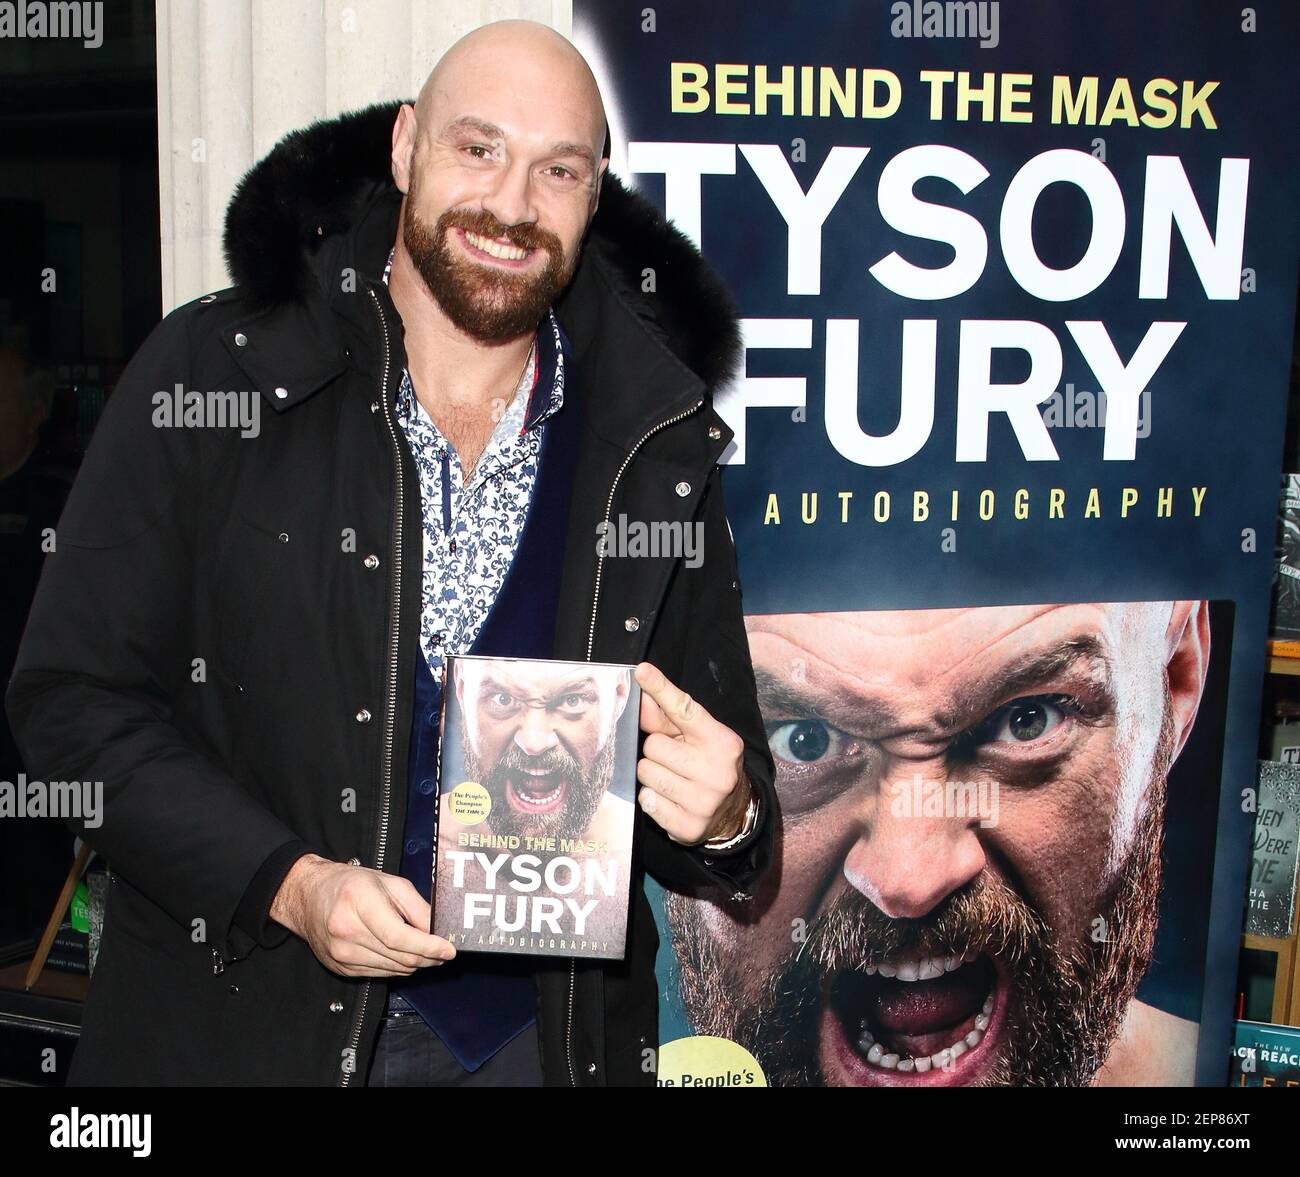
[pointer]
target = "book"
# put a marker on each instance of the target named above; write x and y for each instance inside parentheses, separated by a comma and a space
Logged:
(1285, 626)
(1265, 1055)
(536, 800)
(70, 949)
(1270, 899)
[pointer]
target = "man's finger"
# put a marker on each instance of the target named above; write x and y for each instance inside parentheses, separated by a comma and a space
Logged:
(675, 755)
(664, 781)
(679, 825)
(653, 718)
(677, 706)
(361, 960)
(389, 922)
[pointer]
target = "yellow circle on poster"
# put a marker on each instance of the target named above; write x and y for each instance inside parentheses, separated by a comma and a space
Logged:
(469, 803)
(705, 1061)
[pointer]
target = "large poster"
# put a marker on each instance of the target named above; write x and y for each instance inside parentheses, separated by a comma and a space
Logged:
(1017, 284)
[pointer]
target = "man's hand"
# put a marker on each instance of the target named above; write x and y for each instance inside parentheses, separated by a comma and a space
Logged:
(693, 767)
(359, 922)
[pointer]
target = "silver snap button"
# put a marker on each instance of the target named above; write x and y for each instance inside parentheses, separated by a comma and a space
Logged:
(371, 562)
(591, 1068)
(336, 1007)
(208, 298)
(354, 862)
(320, 230)
(282, 393)
(374, 406)
(240, 339)
(283, 537)
(632, 624)
(715, 432)
(683, 489)
(363, 716)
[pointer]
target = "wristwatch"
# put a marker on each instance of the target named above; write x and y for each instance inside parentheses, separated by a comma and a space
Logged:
(746, 827)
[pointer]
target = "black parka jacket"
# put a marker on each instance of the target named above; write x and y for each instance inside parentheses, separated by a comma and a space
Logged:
(225, 634)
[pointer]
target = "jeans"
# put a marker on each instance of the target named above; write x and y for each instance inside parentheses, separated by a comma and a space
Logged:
(409, 1054)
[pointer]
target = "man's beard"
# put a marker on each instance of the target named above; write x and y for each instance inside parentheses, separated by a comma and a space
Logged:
(488, 303)
(583, 790)
(1066, 1001)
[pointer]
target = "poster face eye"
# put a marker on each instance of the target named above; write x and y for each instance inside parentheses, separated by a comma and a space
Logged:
(1024, 720)
(502, 704)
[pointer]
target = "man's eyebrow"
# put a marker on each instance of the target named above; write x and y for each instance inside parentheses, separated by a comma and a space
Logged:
(489, 130)
(575, 685)
(969, 704)
(1086, 653)
(840, 709)
(491, 681)
(581, 150)
(469, 122)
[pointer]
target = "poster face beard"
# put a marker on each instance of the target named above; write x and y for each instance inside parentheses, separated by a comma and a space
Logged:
(1061, 1004)
(489, 303)
(580, 796)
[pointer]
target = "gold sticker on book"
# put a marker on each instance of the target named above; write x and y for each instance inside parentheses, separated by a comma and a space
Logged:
(705, 1061)
(469, 803)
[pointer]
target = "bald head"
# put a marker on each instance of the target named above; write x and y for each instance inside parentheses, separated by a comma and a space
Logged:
(520, 57)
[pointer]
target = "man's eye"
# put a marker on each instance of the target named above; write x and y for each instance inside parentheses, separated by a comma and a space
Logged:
(573, 701)
(478, 151)
(503, 699)
(804, 741)
(561, 173)
(1023, 721)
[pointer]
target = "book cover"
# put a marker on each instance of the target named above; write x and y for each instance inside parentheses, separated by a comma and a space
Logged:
(1265, 1055)
(537, 786)
(1286, 587)
(1270, 900)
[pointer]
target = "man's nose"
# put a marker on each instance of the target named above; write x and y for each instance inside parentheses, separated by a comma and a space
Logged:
(510, 195)
(916, 849)
(535, 733)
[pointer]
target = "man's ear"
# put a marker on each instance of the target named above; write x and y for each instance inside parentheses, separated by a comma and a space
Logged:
(404, 132)
(595, 198)
(1189, 661)
(622, 692)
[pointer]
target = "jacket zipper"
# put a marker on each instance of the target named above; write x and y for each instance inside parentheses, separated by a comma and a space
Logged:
(390, 713)
(591, 641)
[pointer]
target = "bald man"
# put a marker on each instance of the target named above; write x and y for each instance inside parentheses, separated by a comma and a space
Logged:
(459, 380)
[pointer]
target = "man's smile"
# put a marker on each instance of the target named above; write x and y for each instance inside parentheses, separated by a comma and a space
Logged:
(495, 251)
(913, 1021)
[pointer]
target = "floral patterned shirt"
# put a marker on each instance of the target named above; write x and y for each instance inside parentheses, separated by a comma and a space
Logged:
(472, 528)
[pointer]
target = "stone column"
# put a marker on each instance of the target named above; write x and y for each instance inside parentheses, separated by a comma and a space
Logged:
(236, 75)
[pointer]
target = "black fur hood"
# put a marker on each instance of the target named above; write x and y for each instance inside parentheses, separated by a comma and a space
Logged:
(316, 182)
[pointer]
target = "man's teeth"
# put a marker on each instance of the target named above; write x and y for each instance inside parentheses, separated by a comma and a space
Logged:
(510, 253)
(540, 799)
(880, 1056)
(922, 968)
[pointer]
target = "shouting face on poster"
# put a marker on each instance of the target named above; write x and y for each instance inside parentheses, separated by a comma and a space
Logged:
(973, 804)
(540, 738)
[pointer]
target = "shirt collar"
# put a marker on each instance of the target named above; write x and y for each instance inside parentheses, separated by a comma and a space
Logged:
(545, 394)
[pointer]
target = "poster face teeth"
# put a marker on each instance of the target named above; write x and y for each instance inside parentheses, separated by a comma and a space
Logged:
(537, 772)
